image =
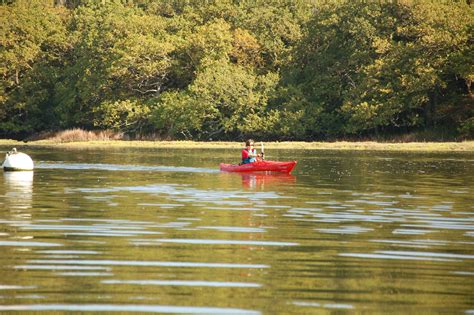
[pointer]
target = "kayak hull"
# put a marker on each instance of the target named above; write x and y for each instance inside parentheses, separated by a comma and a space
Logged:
(261, 166)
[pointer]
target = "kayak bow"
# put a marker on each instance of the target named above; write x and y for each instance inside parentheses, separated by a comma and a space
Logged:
(260, 166)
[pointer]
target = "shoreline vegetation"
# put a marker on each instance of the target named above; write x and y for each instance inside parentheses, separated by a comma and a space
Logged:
(101, 140)
(465, 146)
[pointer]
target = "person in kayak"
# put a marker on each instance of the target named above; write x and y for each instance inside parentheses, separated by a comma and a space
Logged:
(249, 154)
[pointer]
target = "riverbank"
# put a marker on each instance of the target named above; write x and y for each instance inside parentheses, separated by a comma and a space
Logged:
(465, 146)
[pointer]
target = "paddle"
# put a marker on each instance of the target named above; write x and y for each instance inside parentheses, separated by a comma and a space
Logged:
(262, 150)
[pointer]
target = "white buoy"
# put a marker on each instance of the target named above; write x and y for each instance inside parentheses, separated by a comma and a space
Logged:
(17, 161)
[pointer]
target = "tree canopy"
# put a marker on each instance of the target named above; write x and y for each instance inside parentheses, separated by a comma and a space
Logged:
(226, 69)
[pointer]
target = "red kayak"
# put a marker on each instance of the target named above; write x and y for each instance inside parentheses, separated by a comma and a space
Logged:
(260, 166)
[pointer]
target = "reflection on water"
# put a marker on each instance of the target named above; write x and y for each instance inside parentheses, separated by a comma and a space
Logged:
(261, 180)
(19, 189)
(163, 231)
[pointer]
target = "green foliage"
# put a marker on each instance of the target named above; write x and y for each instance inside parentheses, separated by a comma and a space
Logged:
(412, 68)
(234, 93)
(467, 128)
(179, 115)
(118, 54)
(376, 65)
(223, 69)
(127, 115)
(33, 35)
(246, 50)
(211, 41)
(224, 99)
(277, 27)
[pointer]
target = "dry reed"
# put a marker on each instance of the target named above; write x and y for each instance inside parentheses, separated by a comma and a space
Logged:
(79, 135)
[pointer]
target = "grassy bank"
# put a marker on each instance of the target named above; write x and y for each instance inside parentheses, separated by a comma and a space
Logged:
(466, 146)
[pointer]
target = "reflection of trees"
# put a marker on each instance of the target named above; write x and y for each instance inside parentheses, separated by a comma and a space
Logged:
(381, 191)
(146, 206)
(351, 189)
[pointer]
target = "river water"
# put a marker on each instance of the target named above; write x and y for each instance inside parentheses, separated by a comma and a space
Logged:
(164, 231)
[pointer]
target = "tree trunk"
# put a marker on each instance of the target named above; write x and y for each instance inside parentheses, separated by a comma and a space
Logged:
(430, 109)
(468, 86)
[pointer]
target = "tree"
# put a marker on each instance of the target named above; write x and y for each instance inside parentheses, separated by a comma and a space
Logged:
(368, 66)
(120, 56)
(33, 35)
(224, 69)
(224, 100)
(411, 79)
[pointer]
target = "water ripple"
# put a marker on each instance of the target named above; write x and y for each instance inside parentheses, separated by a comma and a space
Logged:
(28, 244)
(81, 252)
(148, 263)
(234, 229)
(85, 274)
(128, 308)
(59, 267)
(184, 193)
(186, 283)
(118, 167)
(15, 287)
(391, 256)
(411, 255)
(323, 305)
(88, 230)
(346, 230)
(220, 242)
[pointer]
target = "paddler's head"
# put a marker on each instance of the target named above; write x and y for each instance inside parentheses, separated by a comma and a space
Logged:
(249, 143)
